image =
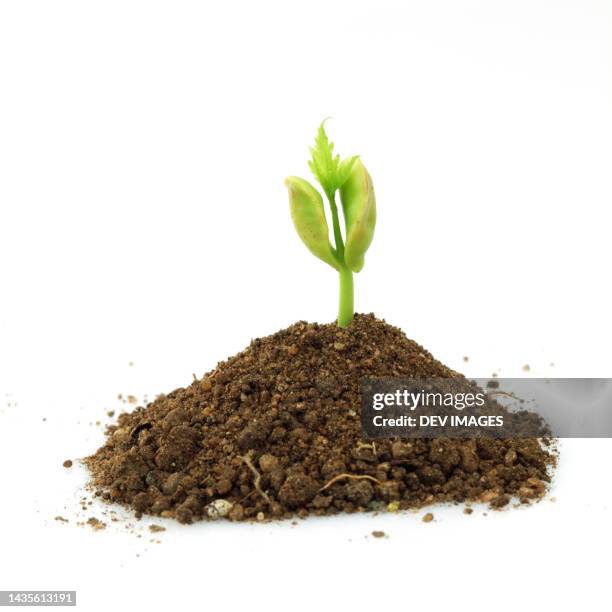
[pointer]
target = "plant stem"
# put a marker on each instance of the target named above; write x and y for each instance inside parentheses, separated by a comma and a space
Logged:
(346, 308)
(336, 226)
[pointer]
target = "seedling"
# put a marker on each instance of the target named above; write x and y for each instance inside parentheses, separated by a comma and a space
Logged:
(350, 177)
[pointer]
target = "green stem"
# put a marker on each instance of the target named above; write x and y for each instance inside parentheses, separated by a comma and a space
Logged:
(336, 225)
(346, 308)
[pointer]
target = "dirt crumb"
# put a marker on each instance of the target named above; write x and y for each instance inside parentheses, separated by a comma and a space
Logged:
(61, 519)
(67, 463)
(379, 534)
(96, 524)
(156, 528)
(427, 518)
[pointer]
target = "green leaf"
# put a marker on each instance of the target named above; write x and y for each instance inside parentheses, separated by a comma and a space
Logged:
(359, 206)
(327, 168)
(309, 219)
(344, 169)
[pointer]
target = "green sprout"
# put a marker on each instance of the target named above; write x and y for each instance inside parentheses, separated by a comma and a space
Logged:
(350, 177)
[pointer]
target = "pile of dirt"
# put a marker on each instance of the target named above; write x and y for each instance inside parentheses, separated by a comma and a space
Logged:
(275, 431)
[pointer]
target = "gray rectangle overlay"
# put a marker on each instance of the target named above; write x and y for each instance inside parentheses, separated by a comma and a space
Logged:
(484, 407)
(37, 598)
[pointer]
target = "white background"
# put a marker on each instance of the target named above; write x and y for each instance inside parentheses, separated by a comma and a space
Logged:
(143, 219)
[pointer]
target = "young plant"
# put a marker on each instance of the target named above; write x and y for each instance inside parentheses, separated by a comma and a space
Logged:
(352, 180)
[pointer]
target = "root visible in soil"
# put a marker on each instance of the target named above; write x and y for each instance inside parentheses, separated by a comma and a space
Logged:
(343, 476)
(257, 479)
(275, 431)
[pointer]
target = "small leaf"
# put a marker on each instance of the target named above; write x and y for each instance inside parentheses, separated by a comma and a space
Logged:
(359, 206)
(344, 170)
(309, 219)
(327, 167)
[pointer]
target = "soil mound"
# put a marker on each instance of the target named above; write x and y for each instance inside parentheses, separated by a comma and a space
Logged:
(275, 431)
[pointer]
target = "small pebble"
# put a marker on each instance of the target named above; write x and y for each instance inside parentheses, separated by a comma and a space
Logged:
(510, 457)
(67, 463)
(378, 534)
(268, 463)
(218, 509)
(236, 513)
(428, 517)
(488, 496)
(224, 486)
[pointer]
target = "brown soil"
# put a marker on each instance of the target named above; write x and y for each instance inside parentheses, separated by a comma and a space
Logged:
(96, 524)
(275, 431)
